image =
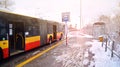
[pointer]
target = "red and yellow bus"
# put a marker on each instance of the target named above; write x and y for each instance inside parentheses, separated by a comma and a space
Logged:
(20, 33)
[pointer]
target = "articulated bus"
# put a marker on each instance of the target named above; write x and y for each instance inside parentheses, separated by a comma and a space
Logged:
(20, 33)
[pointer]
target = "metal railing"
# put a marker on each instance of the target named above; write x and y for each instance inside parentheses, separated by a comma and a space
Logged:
(109, 43)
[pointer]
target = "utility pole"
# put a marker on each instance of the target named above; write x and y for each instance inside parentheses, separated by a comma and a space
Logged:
(5, 4)
(80, 14)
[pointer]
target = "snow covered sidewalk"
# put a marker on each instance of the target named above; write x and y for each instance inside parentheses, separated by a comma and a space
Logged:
(102, 58)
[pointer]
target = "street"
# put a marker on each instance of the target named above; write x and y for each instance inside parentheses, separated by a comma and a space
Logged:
(71, 55)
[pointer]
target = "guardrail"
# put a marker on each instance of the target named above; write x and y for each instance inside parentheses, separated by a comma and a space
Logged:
(109, 43)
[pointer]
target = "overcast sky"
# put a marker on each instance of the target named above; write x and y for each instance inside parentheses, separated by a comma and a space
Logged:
(52, 9)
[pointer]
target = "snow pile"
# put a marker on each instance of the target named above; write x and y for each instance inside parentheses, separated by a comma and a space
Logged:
(85, 61)
(102, 58)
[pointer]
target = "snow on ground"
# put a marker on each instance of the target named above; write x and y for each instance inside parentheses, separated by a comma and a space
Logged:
(78, 34)
(102, 58)
(72, 57)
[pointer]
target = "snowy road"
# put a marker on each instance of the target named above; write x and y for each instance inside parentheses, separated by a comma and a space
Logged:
(82, 51)
(75, 54)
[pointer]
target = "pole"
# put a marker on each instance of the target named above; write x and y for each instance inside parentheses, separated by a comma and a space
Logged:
(66, 32)
(106, 45)
(5, 4)
(80, 14)
(112, 49)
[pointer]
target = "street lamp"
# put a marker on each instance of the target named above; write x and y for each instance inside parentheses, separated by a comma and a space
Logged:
(80, 14)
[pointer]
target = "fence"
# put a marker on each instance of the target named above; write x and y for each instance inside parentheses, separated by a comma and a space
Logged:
(111, 44)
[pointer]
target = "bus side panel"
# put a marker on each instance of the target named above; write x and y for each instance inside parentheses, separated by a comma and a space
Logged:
(4, 46)
(43, 32)
(60, 32)
(55, 31)
(32, 42)
(5, 53)
(58, 35)
(32, 35)
(49, 31)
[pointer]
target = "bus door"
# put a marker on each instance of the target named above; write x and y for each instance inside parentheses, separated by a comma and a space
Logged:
(54, 31)
(16, 38)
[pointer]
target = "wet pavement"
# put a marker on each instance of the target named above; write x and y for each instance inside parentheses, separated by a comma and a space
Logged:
(16, 59)
(75, 54)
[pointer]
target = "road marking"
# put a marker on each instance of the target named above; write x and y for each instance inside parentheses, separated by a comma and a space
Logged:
(38, 55)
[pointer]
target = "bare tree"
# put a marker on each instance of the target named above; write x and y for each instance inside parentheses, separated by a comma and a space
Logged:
(107, 21)
(6, 4)
(116, 22)
(112, 24)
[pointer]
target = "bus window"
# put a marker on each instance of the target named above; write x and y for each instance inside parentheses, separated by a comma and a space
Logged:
(2, 24)
(32, 30)
(3, 32)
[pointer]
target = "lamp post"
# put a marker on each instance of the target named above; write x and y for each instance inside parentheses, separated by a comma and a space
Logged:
(80, 13)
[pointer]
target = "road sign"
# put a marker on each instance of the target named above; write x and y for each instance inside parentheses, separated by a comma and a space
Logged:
(65, 16)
